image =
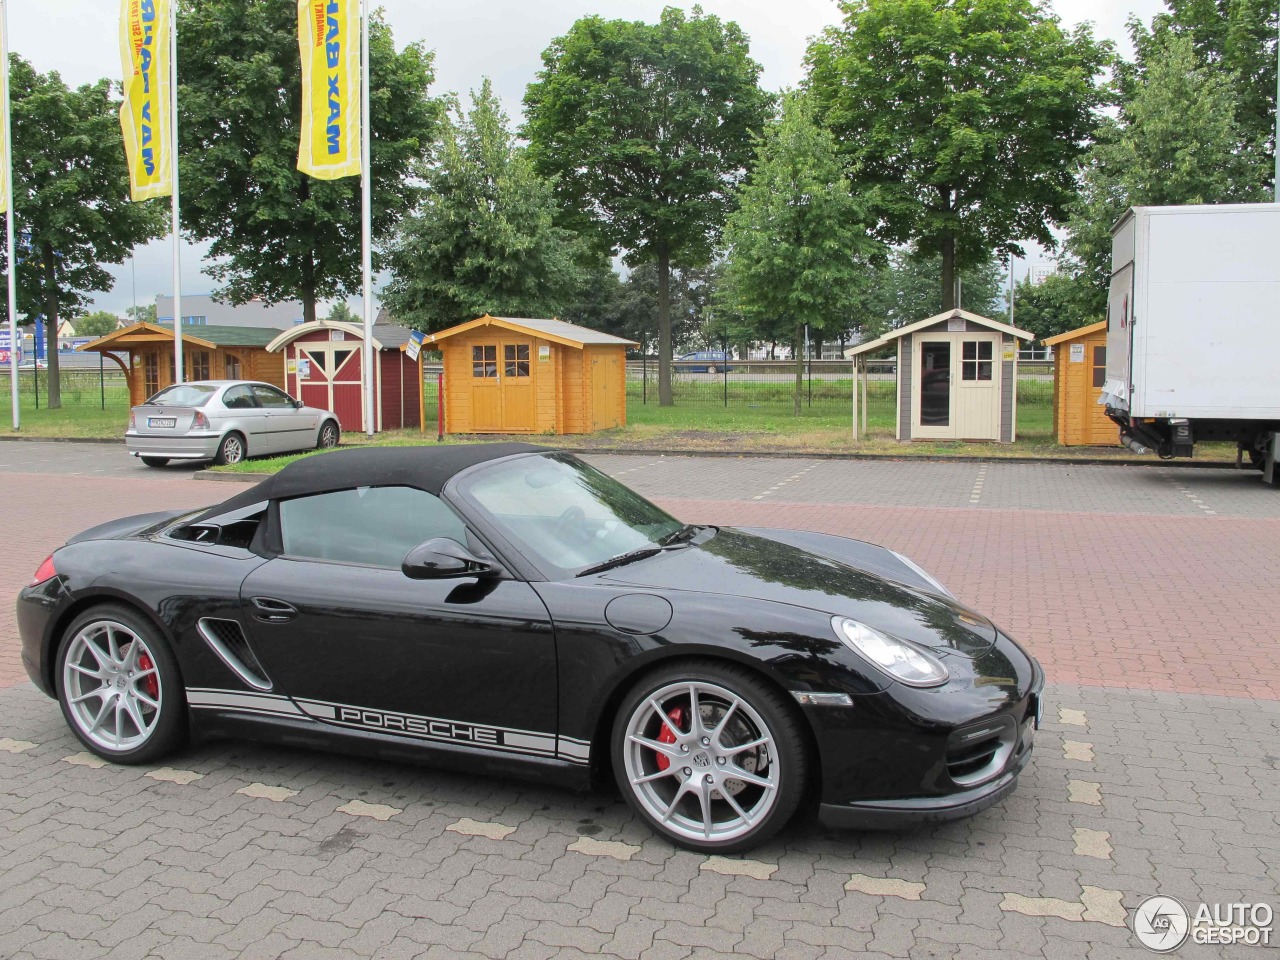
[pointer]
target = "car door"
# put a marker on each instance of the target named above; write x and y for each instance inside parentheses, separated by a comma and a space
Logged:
(358, 644)
(288, 428)
(244, 414)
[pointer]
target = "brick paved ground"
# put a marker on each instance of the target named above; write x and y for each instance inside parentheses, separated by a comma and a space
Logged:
(1138, 599)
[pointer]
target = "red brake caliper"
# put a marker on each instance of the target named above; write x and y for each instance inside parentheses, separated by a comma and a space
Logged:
(150, 683)
(668, 736)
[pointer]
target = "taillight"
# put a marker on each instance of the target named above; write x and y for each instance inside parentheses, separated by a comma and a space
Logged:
(200, 421)
(133, 421)
(44, 572)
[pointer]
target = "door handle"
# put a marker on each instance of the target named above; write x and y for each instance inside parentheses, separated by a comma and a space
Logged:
(270, 610)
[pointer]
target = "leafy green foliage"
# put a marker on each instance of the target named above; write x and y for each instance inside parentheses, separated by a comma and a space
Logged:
(908, 289)
(799, 250)
(646, 129)
(276, 233)
(143, 313)
(961, 119)
(1058, 303)
(96, 324)
(484, 239)
(71, 197)
(340, 312)
(1177, 141)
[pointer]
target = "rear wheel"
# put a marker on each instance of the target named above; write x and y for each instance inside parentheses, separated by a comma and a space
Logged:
(713, 369)
(328, 438)
(709, 755)
(231, 449)
(155, 461)
(119, 687)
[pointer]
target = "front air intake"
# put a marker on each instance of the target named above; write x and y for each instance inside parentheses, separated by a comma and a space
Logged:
(226, 638)
(979, 752)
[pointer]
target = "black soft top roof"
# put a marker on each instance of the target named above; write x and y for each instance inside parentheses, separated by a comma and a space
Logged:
(426, 468)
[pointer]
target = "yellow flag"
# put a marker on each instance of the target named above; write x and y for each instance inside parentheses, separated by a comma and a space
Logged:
(329, 41)
(145, 115)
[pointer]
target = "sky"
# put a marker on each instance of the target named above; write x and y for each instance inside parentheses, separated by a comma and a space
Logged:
(503, 39)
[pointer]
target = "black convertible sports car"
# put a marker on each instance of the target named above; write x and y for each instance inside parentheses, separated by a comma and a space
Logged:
(505, 608)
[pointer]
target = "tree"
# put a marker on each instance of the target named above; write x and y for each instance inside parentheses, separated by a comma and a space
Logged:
(647, 128)
(961, 119)
(484, 239)
(341, 313)
(96, 324)
(1177, 141)
(276, 233)
(909, 289)
(1056, 304)
(1235, 39)
(798, 244)
(71, 198)
(145, 313)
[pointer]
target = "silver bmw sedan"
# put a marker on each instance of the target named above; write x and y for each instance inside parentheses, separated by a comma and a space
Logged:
(225, 421)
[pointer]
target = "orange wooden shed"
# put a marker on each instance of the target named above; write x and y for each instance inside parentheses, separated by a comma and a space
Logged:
(522, 375)
(1079, 371)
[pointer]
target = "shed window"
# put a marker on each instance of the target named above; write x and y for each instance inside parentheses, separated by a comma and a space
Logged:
(231, 367)
(150, 374)
(484, 361)
(339, 358)
(199, 365)
(976, 360)
(515, 357)
(1099, 365)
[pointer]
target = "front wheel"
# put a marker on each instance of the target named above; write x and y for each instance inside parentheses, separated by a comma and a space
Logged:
(119, 687)
(328, 438)
(713, 369)
(712, 757)
(230, 450)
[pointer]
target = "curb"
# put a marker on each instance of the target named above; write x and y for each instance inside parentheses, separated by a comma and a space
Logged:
(22, 438)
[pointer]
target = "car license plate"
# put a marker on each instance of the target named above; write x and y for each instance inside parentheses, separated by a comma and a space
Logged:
(162, 421)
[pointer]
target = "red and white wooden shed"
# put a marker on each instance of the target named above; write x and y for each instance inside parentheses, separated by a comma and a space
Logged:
(322, 368)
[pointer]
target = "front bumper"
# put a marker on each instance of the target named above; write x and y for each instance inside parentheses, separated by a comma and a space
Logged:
(898, 814)
(194, 447)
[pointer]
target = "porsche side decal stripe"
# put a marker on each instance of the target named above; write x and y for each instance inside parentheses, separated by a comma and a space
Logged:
(505, 739)
(237, 700)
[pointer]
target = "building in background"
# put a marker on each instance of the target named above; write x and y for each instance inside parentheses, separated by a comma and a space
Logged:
(203, 309)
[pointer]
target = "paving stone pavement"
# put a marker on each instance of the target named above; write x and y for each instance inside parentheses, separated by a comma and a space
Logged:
(1142, 783)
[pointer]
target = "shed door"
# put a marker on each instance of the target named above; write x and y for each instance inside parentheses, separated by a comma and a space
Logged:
(1100, 430)
(486, 395)
(933, 359)
(604, 389)
(978, 387)
(518, 413)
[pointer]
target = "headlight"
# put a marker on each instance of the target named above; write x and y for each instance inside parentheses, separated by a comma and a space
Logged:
(902, 660)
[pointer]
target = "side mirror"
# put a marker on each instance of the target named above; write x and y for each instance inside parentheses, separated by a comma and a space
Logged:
(297, 404)
(442, 559)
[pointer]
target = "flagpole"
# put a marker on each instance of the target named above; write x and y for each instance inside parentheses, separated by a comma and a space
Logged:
(366, 219)
(8, 218)
(173, 159)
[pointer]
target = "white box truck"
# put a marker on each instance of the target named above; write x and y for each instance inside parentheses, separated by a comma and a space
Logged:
(1193, 329)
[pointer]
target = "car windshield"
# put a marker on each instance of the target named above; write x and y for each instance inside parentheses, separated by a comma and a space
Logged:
(564, 515)
(185, 395)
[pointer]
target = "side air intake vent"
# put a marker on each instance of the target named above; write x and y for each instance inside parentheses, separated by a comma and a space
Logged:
(226, 638)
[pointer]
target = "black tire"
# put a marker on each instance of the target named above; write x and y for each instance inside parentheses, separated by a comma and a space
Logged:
(155, 461)
(713, 369)
(789, 766)
(169, 729)
(232, 449)
(329, 436)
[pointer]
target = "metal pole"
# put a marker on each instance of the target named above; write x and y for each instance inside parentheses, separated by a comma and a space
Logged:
(102, 382)
(14, 343)
(178, 372)
(1011, 289)
(644, 371)
(853, 371)
(725, 344)
(1277, 180)
(366, 220)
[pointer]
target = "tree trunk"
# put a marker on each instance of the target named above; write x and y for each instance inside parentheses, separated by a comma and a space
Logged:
(309, 287)
(949, 274)
(54, 382)
(665, 399)
(797, 351)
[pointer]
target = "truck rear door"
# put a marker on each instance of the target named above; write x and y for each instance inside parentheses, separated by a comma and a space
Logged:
(1116, 390)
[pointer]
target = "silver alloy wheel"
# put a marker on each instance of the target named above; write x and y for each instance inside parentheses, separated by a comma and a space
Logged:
(232, 449)
(721, 774)
(328, 436)
(112, 686)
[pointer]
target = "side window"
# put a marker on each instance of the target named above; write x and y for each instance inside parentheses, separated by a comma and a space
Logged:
(976, 360)
(238, 398)
(484, 361)
(270, 397)
(374, 526)
(1099, 366)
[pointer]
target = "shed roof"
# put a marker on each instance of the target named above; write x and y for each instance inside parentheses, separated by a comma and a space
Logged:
(957, 314)
(1077, 333)
(386, 336)
(211, 335)
(557, 331)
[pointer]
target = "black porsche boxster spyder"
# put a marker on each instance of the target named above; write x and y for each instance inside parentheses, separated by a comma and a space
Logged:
(506, 608)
